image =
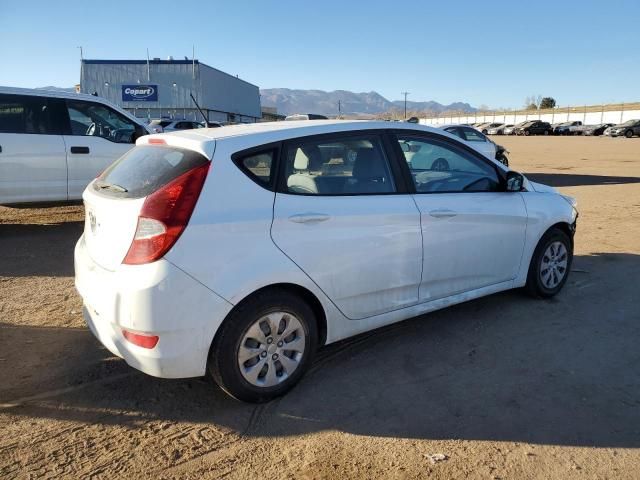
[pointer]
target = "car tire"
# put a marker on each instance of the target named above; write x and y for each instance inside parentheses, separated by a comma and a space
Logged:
(259, 378)
(628, 133)
(546, 132)
(527, 133)
(484, 132)
(550, 264)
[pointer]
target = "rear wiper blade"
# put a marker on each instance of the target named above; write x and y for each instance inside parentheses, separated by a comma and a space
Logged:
(111, 186)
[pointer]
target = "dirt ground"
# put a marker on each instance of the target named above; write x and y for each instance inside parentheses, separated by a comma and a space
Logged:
(504, 387)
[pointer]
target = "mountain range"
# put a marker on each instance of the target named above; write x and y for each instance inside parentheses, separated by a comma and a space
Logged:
(289, 101)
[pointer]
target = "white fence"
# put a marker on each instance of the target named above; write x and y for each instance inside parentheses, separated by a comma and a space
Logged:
(590, 115)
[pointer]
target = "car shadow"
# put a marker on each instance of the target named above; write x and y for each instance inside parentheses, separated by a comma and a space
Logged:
(576, 180)
(38, 249)
(505, 367)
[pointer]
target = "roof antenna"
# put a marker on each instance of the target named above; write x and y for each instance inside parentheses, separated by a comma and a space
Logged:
(206, 120)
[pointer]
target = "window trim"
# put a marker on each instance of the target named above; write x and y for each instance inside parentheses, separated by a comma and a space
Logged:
(398, 178)
(449, 142)
(274, 147)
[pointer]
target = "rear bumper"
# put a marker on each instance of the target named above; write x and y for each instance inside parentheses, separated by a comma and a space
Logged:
(154, 299)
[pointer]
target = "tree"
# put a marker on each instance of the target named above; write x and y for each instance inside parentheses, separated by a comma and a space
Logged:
(548, 102)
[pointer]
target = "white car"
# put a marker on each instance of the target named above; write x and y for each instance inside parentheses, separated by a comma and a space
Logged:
(238, 251)
(473, 138)
(52, 144)
(168, 125)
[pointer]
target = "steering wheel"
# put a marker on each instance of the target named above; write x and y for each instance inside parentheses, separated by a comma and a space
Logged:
(440, 164)
(91, 130)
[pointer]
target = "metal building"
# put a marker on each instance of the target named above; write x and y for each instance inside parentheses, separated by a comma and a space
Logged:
(161, 88)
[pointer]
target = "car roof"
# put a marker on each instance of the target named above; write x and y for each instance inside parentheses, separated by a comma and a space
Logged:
(68, 95)
(204, 139)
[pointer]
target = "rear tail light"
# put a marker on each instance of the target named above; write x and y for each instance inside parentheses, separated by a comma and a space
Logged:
(156, 141)
(164, 216)
(141, 340)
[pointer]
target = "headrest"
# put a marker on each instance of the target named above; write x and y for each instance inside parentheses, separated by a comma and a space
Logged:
(368, 164)
(301, 161)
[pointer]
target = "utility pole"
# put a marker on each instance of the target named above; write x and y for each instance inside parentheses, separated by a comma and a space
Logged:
(81, 67)
(339, 109)
(405, 103)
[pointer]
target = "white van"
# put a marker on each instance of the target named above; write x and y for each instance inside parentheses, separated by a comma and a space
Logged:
(52, 144)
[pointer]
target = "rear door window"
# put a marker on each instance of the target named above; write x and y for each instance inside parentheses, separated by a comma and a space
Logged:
(25, 114)
(144, 169)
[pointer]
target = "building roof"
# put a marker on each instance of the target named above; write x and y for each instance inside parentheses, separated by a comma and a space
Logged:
(160, 62)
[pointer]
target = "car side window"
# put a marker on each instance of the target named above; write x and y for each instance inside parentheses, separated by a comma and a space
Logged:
(353, 165)
(25, 114)
(258, 166)
(438, 167)
(472, 135)
(97, 120)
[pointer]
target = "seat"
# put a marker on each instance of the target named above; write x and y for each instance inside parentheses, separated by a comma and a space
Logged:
(369, 174)
(303, 181)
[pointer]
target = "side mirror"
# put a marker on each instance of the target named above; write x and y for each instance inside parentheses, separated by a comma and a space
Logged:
(515, 181)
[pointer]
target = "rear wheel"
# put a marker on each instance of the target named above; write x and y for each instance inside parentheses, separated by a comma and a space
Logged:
(546, 132)
(550, 264)
(264, 346)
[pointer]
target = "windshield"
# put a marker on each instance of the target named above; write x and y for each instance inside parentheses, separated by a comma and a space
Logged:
(144, 169)
(628, 123)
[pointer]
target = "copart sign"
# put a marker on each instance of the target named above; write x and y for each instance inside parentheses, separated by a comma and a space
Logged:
(139, 93)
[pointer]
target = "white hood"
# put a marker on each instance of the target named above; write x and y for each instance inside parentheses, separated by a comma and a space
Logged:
(541, 188)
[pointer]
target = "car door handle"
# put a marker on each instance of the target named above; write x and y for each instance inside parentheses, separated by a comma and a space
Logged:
(309, 217)
(79, 149)
(444, 213)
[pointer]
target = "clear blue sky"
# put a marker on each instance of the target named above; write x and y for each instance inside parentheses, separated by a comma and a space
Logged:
(482, 52)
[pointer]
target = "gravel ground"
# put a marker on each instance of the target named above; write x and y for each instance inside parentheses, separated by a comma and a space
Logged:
(501, 387)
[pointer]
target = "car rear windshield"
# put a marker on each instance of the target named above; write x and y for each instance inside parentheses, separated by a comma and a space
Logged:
(144, 169)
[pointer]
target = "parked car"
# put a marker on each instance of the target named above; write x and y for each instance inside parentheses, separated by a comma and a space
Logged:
(52, 144)
(627, 129)
(292, 205)
(485, 129)
(305, 116)
(481, 126)
(473, 138)
(511, 130)
(565, 128)
(533, 127)
(596, 130)
(499, 130)
(211, 124)
(169, 125)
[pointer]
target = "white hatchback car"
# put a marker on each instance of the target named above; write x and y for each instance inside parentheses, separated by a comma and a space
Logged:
(474, 138)
(52, 144)
(240, 250)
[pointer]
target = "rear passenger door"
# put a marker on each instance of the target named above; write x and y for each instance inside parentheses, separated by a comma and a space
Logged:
(97, 136)
(343, 215)
(33, 165)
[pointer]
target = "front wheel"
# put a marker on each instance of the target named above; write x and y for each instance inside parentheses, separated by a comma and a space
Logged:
(550, 264)
(264, 346)
(628, 134)
(527, 133)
